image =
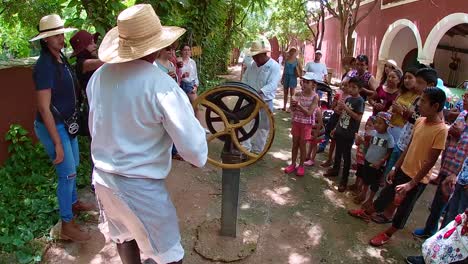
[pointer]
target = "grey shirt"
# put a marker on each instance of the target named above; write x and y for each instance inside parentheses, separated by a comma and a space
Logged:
(379, 146)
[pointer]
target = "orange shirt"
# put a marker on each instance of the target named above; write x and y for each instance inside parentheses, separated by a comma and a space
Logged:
(426, 136)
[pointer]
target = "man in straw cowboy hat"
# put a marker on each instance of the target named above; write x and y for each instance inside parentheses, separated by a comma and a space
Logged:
(264, 75)
(56, 104)
(136, 113)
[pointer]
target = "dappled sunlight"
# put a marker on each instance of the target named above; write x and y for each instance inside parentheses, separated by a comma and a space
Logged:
(315, 233)
(279, 195)
(334, 199)
(296, 258)
(368, 251)
(249, 236)
(281, 154)
(245, 206)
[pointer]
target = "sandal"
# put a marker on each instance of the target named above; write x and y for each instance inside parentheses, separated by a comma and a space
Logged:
(381, 219)
(379, 240)
(361, 214)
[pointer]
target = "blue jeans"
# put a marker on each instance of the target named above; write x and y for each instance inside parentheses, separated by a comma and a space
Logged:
(457, 204)
(66, 170)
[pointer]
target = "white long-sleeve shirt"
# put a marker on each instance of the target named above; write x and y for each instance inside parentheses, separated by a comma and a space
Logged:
(136, 112)
(191, 68)
(264, 78)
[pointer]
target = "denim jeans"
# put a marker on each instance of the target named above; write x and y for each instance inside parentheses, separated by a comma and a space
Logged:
(437, 209)
(392, 160)
(457, 204)
(66, 170)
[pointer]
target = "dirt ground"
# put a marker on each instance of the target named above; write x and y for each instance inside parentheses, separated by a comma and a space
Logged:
(301, 220)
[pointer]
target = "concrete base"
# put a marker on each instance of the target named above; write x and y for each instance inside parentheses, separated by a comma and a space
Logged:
(211, 245)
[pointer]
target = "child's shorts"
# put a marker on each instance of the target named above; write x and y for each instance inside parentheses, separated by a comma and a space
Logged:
(359, 170)
(371, 176)
(303, 131)
(187, 86)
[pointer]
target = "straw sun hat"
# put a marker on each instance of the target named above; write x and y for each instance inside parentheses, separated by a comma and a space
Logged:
(138, 33)
(51, 25)
(258, 47)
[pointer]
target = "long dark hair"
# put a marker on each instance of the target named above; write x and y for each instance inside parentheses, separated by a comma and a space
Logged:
(410, 70)
(59, 69)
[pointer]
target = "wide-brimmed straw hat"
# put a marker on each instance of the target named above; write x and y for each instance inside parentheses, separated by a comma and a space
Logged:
(138, 33)
(258, 47)
(51, 25)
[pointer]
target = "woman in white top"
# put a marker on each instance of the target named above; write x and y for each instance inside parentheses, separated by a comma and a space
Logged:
(190, 80)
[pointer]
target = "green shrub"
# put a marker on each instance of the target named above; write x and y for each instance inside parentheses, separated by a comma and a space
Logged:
(28, 203)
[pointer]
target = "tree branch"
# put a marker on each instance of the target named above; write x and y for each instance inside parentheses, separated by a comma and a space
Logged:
(367, 13)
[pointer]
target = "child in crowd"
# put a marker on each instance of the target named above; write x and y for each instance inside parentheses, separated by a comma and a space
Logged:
(303, 105)
(344, 94)
(361, 150)
(318, 132)
(425, 77)
(380, 147)
(410, 175)
(455, 153)
(348, 126)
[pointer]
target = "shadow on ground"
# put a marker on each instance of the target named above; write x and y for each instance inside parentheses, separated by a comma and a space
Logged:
(301, 220)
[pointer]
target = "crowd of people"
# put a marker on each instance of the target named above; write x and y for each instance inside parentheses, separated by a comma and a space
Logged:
(136, 85)
(396, 149)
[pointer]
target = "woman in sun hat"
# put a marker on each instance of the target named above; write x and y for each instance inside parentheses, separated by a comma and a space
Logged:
(56, 102)
(137, 112)
(85, 50)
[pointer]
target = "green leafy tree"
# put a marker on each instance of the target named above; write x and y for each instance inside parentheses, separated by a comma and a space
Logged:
(287, 22)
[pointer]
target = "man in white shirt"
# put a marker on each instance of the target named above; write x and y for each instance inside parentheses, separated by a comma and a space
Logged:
(264, 75)
(316, 66)
(136, 113)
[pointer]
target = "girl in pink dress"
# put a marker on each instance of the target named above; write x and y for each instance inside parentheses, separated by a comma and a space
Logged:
(303, 105)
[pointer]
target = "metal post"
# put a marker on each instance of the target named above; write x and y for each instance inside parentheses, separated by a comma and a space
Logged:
(230, 195)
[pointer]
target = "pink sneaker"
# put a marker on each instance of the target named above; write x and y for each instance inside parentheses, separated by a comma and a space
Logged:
(289, 169)
(309, 163)
(300, 171)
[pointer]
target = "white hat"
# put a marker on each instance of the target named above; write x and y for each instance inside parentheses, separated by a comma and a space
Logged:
(257, 47)
(318, 51)
(51, 25)
(311, 76)
(138, 33)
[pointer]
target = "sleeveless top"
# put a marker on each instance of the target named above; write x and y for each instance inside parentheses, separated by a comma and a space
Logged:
(290, 68)
(305, 102)
(385, 98)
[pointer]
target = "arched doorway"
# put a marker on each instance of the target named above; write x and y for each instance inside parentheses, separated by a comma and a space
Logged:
(446, 47)
(396, 31)
(410, 60)
(401, 38)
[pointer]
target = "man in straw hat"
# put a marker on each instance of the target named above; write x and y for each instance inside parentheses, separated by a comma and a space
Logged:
(57, 103)
(264, 75)
(136, 113)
